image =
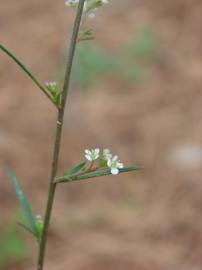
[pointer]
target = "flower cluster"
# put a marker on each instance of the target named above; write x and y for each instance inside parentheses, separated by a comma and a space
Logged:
(54, 91)
(106, 159)
(92, 154)
(71, 2)
(52, 86)
(90, 6)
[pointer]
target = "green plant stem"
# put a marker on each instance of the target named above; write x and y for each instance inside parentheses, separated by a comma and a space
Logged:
(27, 71)
(52, 187)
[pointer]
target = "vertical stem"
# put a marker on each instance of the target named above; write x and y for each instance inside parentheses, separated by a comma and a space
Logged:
(52, 187)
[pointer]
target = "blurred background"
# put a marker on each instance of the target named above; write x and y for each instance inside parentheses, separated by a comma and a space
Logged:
(136, 90)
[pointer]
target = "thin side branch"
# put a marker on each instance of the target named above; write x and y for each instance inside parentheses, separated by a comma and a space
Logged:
(27, 71)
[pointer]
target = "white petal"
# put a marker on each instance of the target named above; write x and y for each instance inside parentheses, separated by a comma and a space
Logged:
(107, 157)
(88, 157)
(53, 83)
(87, 151)
(120, 165)
(109, 163)
(115, 158)
(97, 151)
(106, 152)
(114, 171)
(91, 15)
(68, 3)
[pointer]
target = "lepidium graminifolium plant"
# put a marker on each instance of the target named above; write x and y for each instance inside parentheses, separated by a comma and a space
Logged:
(96, 162)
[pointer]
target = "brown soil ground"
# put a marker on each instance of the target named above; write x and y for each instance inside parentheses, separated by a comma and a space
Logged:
(149, 220)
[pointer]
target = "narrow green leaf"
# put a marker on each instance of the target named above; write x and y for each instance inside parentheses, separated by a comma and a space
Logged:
(76, 169)
(104, 172)
(23, 200)
(26, 70)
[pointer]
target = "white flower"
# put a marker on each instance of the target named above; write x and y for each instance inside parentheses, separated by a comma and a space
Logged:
(92, 154)
(92, 14)
(71, 2)
(114, 164)
(51, 84)
(75, 2)
(105, 1)
(39, 218)
(52, 87)
(90, 11)
(106, 154)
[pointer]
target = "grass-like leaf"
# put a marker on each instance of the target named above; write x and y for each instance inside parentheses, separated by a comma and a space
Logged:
(26, 70)
(76, 169)
(23, 200)
(103, 172)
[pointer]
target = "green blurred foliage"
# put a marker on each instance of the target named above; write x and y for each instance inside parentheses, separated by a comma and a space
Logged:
(91, 63)
(12, 245)
(143, 46)
(130, 61)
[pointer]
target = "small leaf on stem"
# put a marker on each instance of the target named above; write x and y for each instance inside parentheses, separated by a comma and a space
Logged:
(23, 200)
(27, 71)
(75, 170)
